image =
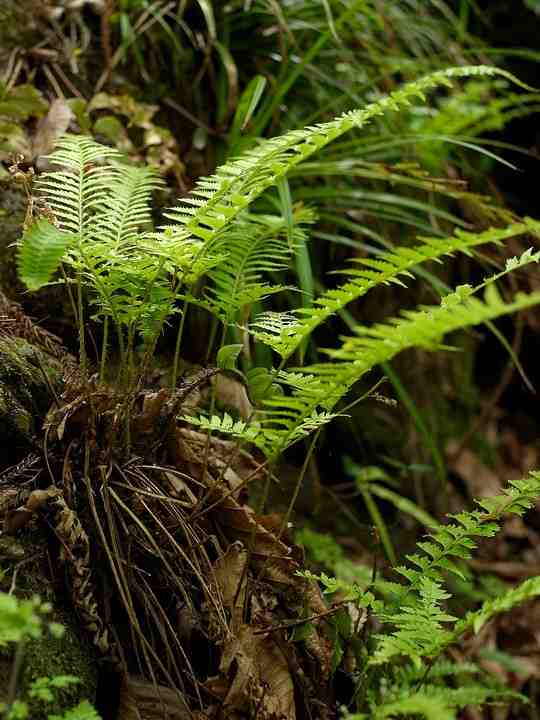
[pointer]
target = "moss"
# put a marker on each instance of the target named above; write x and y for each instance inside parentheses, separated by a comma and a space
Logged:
(25, 396)
(71, 654)
(12, 214)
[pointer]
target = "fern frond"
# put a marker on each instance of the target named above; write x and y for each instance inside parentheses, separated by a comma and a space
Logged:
(516, 596)
(324, 384)
(237, 429)
(430, 707)
(419, 630)
(253, 246)
(83, 183)
(388, 267)
(455, 540)
(435, 702)
(40, 252)
(126, 208)
(216, 201)
(422, 594)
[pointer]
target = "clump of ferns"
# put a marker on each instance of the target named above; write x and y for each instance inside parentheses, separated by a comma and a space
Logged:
(403, 666)
(96, 231)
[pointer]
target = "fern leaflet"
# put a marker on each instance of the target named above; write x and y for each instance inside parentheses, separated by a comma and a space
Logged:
(40, 252)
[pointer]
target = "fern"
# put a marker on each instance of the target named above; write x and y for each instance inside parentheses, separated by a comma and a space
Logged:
(476, 620)
(320, 387)
(226, 425)
(254, 246)
(217, 201)
(434, 702)
(285, 333)
(404, 666)
(40, 252)
(126, 208)
(82, 184)
(425, 571)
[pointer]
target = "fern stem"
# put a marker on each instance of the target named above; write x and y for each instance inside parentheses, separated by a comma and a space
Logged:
(80, 323)
(299, 482)
(178, 344)
(104, 349)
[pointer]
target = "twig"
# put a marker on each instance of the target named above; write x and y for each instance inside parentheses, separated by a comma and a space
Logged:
(302, 621)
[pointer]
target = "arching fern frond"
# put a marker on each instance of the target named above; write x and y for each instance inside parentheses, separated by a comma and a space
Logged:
(216, 201)
(324, 384)
(388, 267)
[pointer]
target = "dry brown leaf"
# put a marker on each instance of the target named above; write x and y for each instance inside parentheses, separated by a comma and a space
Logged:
(268, 554)
(54, 124)
(152, 405)
(144, 700)
(230, 578)
(479, 479)
(262, 676)
(222, 460)
(16, 519)
(232, 394)
(180, 488)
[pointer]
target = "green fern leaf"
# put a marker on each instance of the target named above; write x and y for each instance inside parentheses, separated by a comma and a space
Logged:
(40, 253)
(81, 185)
(415, 703)
(320, 387)
(253, 247)
(218, 200)
(422, 594)
(516, 596)
(225, 425)
(126, 208)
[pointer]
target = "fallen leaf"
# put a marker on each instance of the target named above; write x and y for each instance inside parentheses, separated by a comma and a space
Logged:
(18, 518)
(141, 699)
(232, 394)
(230, 578)
(54, 124)
(480, 480)
(261, 676)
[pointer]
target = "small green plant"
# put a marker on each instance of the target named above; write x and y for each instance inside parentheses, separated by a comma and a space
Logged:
(21, 622)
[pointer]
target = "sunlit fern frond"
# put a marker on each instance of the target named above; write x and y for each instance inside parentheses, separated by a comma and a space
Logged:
(125, 210)
(252, 248)
(284, 335)
(81, 185)
(326, 383)
(216, 201)
(40, 252)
